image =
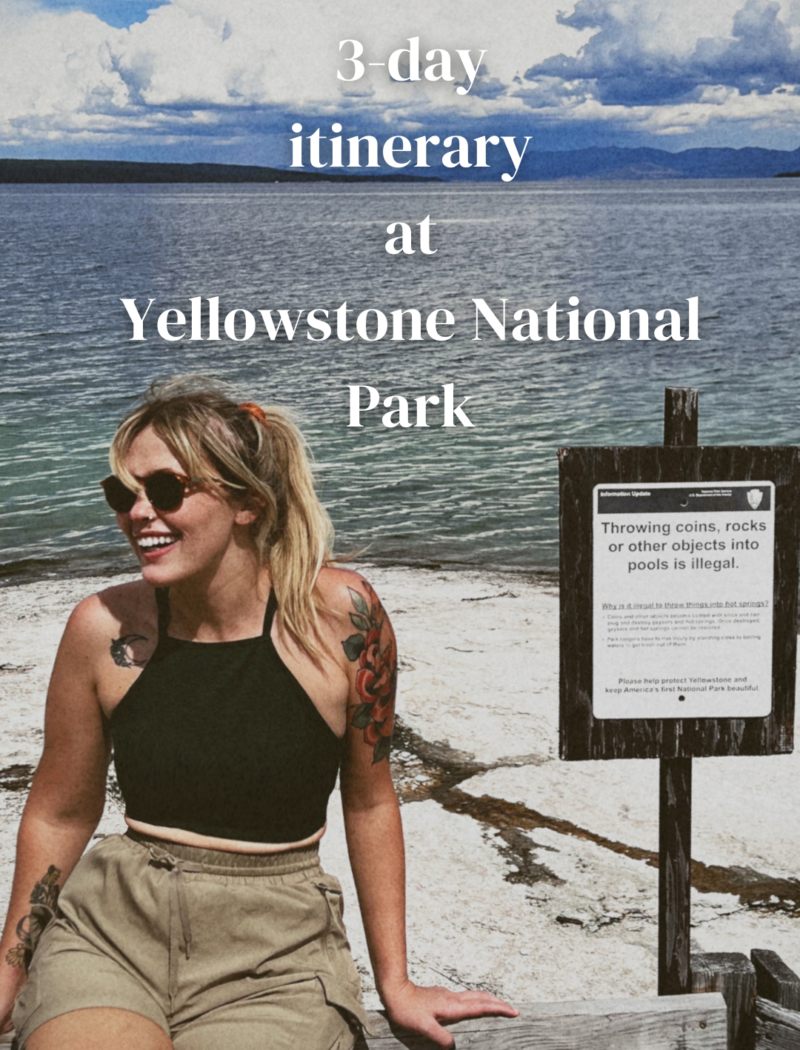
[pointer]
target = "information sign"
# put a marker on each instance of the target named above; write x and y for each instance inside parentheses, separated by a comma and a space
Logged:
(683, 600)
(679, 587)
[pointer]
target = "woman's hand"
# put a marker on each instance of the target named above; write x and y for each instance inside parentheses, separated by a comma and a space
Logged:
(5, 1014)
(423, 1009)
(11, 982)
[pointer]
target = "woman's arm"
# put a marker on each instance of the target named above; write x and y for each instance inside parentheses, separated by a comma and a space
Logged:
(65, 801)
(374, 830)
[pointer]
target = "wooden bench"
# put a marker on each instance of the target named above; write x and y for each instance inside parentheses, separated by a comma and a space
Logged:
(676, 1022)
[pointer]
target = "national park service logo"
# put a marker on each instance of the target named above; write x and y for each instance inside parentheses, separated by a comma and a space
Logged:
(754, 497)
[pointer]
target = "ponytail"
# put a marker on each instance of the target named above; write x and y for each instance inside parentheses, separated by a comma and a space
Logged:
(300, 541)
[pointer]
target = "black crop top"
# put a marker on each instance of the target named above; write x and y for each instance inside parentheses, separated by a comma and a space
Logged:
(220, 738)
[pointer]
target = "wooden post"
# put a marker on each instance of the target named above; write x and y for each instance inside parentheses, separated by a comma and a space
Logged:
(775, 981)
(735, 976)
(680, 416)
(674, 875)
(675, 798)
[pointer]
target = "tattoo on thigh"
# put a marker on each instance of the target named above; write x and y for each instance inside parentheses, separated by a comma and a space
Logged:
(376, 679)
(127, 650)
(44, 897)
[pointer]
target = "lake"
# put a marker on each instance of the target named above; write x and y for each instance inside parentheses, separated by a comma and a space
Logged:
(480, 496)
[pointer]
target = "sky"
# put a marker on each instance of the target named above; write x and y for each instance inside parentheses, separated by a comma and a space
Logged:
(224, 80)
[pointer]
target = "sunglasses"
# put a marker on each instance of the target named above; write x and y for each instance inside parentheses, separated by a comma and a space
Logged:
(165, 490)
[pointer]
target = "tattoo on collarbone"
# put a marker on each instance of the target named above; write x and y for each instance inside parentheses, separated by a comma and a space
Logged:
(44, 899)
(127, 650)
(376, 678)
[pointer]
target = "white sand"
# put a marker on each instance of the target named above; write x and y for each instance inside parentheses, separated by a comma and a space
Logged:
(536, 914)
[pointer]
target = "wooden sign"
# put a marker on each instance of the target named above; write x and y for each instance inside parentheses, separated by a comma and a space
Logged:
(679, 584)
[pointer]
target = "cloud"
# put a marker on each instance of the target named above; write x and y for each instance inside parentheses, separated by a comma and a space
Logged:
(71, 70)
(232, 72)
(760, 57)
(48, 77)
(629, 60)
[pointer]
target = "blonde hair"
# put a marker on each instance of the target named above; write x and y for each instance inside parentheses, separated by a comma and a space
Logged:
(263, 456)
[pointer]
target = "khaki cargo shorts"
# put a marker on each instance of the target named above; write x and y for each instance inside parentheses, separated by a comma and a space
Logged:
(219, 949)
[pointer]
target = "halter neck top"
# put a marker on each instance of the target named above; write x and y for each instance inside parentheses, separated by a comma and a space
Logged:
(220, 738)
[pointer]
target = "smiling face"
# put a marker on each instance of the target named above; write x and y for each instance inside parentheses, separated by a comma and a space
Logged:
(194, 539)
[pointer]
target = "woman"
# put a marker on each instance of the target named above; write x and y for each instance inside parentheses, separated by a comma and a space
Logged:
(232, 680)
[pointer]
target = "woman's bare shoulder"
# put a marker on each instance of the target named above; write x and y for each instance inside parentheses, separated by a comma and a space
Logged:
(99, 634)
(354, 612)
(344, 591)
(125, 606)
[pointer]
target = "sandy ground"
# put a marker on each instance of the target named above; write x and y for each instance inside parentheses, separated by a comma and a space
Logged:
(526, 875)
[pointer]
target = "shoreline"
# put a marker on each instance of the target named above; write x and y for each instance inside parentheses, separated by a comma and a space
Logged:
(107, 566)
(528, 876)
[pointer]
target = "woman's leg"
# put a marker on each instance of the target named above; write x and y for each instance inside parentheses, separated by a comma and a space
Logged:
(99, 1028)
(292, 1017)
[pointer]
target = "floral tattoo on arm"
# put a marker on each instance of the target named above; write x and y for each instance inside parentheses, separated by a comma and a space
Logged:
(376, 678)
(44, 899)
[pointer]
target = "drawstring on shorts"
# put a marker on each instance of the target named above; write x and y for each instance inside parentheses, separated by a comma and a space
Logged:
(182, 860)
(180, 928)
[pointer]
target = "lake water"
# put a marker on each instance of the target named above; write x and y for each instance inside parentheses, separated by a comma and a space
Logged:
(485, 496)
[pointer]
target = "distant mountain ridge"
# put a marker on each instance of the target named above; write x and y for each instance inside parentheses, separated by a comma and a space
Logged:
(594, 162)
(751, 162)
